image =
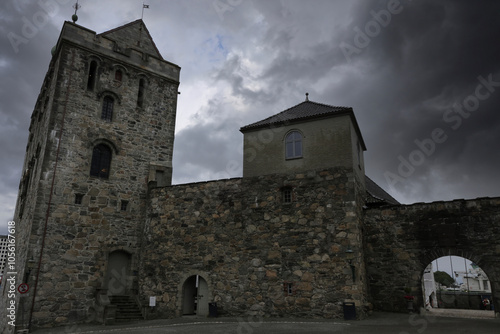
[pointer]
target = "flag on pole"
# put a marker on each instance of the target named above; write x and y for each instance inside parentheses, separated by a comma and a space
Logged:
(143, 6)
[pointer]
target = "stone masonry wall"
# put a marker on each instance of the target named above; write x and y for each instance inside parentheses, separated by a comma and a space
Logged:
(400, 241)
(246, 243)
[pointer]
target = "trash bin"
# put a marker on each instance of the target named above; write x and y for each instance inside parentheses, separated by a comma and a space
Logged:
(349, 311)
(212, 310)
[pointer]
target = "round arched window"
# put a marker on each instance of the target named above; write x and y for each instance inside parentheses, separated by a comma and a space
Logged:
(293, 145)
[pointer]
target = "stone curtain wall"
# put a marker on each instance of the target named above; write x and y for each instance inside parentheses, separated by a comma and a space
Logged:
(400, 241)
(246, 243)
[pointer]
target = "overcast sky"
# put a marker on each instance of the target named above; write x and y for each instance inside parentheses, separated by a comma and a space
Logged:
(422, 76)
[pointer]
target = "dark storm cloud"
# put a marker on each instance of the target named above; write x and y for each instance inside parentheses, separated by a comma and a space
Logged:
(257, 58)
(427, 59)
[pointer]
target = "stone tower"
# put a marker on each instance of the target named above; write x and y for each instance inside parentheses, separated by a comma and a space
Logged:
(101, 133)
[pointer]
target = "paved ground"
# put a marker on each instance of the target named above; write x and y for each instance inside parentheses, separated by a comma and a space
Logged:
(472, 314)
(387, 323)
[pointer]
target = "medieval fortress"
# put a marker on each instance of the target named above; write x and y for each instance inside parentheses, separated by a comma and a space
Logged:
(102, 235)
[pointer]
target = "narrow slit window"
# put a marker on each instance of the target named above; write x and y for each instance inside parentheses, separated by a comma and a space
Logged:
(101, 161)
(289, 288)
(140, 95)
(92, 76)
(107, 108)
(118, 75)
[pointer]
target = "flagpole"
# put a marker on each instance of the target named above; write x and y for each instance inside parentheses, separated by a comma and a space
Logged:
(143, 6)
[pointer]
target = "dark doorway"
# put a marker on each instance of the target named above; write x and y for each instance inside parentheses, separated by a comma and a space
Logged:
(118, 273)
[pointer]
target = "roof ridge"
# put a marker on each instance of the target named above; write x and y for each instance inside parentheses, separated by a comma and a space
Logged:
(329, 105)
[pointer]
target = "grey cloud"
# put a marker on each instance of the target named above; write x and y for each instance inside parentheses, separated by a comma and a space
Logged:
(426, 59)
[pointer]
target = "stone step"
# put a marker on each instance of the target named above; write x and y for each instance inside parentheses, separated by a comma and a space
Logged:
(126, 308)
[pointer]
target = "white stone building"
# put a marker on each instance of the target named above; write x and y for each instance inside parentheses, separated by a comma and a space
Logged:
(474, 280)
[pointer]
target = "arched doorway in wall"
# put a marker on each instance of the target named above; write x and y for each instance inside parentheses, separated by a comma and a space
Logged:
(118, 273)
(456, 283)
(195, 296)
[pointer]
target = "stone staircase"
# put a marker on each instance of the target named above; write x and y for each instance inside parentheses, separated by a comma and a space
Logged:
(126, 308)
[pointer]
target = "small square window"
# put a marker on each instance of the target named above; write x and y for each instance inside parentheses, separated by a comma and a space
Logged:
(78, 198)
(123, 205)
(287, 195)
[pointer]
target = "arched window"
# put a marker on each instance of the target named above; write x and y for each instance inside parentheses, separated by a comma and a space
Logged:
(107, 108)
(101, 161)
(92, 75)
(140, 95)
(293, 145)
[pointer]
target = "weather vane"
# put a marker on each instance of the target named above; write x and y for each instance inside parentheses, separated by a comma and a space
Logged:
(76, 6)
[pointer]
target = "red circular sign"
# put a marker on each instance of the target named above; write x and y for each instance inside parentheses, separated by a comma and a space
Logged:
(23, 288)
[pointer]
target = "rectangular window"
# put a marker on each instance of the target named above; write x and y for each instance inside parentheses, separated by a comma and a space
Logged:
(124, 205)
(289, 288)
(118, 75)
(485, 284)
(140, 94)
(91, 76)
(287, 195)
(78, 198)
(107, 108)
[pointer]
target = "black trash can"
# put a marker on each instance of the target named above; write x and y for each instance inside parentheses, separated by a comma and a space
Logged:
(212, 310)
(349, 311)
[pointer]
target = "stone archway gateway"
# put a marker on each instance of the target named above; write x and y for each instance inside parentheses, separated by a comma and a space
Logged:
(400, 242)
(195, 296)
(454, 282)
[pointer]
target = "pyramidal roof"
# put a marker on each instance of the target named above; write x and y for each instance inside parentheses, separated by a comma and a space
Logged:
(134, 35)
(301, 112)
